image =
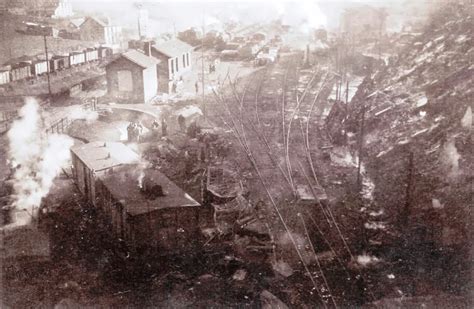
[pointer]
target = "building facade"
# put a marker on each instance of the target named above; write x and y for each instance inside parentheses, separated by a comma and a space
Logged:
(96, 30)
(175, 58)
(132, 77)
(63, 10)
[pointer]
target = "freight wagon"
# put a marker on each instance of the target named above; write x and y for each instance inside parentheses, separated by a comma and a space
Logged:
(77, 58)
(21, 71)
(91, 54)
(58, 63)
(105, 52)
(39, 67)
(4, 76)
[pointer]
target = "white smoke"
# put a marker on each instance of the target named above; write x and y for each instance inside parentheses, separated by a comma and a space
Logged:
(304, 14)
(36, 159)
(79, 112)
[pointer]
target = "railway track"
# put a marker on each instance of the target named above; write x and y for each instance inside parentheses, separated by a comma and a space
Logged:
(281, 151)
(254, 139)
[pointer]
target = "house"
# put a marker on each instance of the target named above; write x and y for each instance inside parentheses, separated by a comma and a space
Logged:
(175, 58)
(75, 23)
(94, 29)
(91, 161)
(150, 212)
(132, 76)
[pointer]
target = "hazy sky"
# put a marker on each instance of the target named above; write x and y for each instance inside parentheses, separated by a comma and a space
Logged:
(170, 15)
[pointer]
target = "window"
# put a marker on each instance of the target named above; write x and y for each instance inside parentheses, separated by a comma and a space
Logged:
(176, 61)
(187, 58)
(184, 60)
(125, 81)
(172, 66)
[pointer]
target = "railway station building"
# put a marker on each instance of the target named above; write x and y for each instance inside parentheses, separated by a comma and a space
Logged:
(132, 77)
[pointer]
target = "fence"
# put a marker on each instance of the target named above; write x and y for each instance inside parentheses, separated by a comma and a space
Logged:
(61, 125)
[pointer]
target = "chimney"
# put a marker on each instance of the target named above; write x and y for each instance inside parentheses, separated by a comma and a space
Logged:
(151, 189)
(148, 48)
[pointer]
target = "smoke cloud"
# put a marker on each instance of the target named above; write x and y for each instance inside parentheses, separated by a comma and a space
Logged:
(36, 158)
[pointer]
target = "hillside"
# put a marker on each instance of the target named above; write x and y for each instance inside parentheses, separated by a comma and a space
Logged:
(417, 150)
(14, 44)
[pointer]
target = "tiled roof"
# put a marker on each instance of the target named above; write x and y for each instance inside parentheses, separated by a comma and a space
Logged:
(172, 48)
(138, 58)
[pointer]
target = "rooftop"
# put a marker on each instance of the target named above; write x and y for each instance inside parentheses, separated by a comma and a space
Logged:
(172, 48)
(123, 184)
(138, 58)
(103, 155)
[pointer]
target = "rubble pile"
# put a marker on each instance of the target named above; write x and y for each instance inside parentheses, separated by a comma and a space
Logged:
(414, 117)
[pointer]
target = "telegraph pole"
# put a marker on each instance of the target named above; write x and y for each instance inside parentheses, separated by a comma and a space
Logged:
(47, 64)
(361, 142)
(202, 69)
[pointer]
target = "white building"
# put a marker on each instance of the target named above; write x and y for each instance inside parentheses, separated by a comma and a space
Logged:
(64, 9)
(143, 24)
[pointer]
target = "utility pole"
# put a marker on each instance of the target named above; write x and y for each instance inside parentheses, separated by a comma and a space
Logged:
(202, 69)
(347, 92)
(408, 190)
(361, 142)
(139, 26)
(47, 64)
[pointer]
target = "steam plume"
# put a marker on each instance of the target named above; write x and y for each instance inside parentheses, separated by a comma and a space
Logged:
(36, 159)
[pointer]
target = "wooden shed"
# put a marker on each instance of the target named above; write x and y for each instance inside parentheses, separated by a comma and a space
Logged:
(150, 212)
(91, 161)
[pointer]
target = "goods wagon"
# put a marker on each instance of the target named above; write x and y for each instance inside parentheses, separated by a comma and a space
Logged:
(39, 67)
(21, 71)
(4, 76)
(77, 58)
(58, 63)
(91, 54)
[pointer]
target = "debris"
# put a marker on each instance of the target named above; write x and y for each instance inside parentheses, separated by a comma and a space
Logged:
(282, 268)
(367, 260)
(240, 275)
(466, 120)
(270, 301)
(436, 204)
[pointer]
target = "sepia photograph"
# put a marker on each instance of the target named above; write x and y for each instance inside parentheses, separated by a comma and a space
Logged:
(268, 154)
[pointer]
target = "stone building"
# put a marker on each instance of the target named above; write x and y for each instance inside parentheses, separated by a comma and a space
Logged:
(132, 77)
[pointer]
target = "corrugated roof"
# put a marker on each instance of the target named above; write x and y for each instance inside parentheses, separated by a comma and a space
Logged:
(103, 155)
(123, 184)
(172, 48)
(139, 58)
